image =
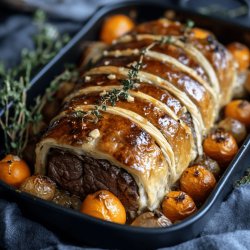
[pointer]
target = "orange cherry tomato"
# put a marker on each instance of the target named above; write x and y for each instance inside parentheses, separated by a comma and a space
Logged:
(13, 170)
(198, 182)
(151, 219)
(200, 33)
(235, 127)
(239, 110)
(209, 164)
(114, 27)
(220, 146)
(241, 54)
(40, 186)
(104, 205)
(177, 205)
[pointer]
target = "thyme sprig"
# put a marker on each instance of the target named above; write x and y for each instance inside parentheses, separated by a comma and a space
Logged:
(187, 29)
(167, 40)
(115, 95)
(15, 82)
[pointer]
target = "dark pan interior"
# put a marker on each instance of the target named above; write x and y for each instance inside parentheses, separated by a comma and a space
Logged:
(83, 229)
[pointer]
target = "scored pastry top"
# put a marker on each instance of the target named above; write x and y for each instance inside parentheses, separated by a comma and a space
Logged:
(156, 130)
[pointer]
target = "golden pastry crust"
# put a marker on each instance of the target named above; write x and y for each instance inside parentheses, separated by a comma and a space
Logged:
(158, 130)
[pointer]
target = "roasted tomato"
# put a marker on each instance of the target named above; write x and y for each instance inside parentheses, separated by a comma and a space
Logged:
(177, 205)
(114, 27)
(241, 54)
(210, 164)
(39, 186)
(239, 110)
(75, 202)
(64, 199)
(197, 182)
(247, 82)
(104, 205)
(235, 127)
(200, 33)
(151, 219)
(13, 170)
(220, 146)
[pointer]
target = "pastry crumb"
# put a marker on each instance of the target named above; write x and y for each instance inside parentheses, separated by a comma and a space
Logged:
(104, 92)
(130, 98)
(111, 77)
(94, 133)
(87, 78)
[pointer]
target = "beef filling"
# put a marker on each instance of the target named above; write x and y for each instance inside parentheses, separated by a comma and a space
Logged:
(82, 175)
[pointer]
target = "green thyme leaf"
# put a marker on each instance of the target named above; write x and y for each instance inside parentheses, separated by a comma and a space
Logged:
(244, 180)
(15, 121)
(166, 40)
(190, 24)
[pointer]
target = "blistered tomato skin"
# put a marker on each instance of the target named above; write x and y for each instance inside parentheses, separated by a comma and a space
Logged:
(177, 205)
(39, 186)
(220, 146)
(239, 110)
(114, 27)
(241, 54)
(200, 33)
(104, 205)
(151, 219)
(13, 170)
(235, 127)
(210, 164)
(197, 182)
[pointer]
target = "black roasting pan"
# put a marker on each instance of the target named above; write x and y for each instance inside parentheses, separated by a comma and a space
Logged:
(82, 229)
